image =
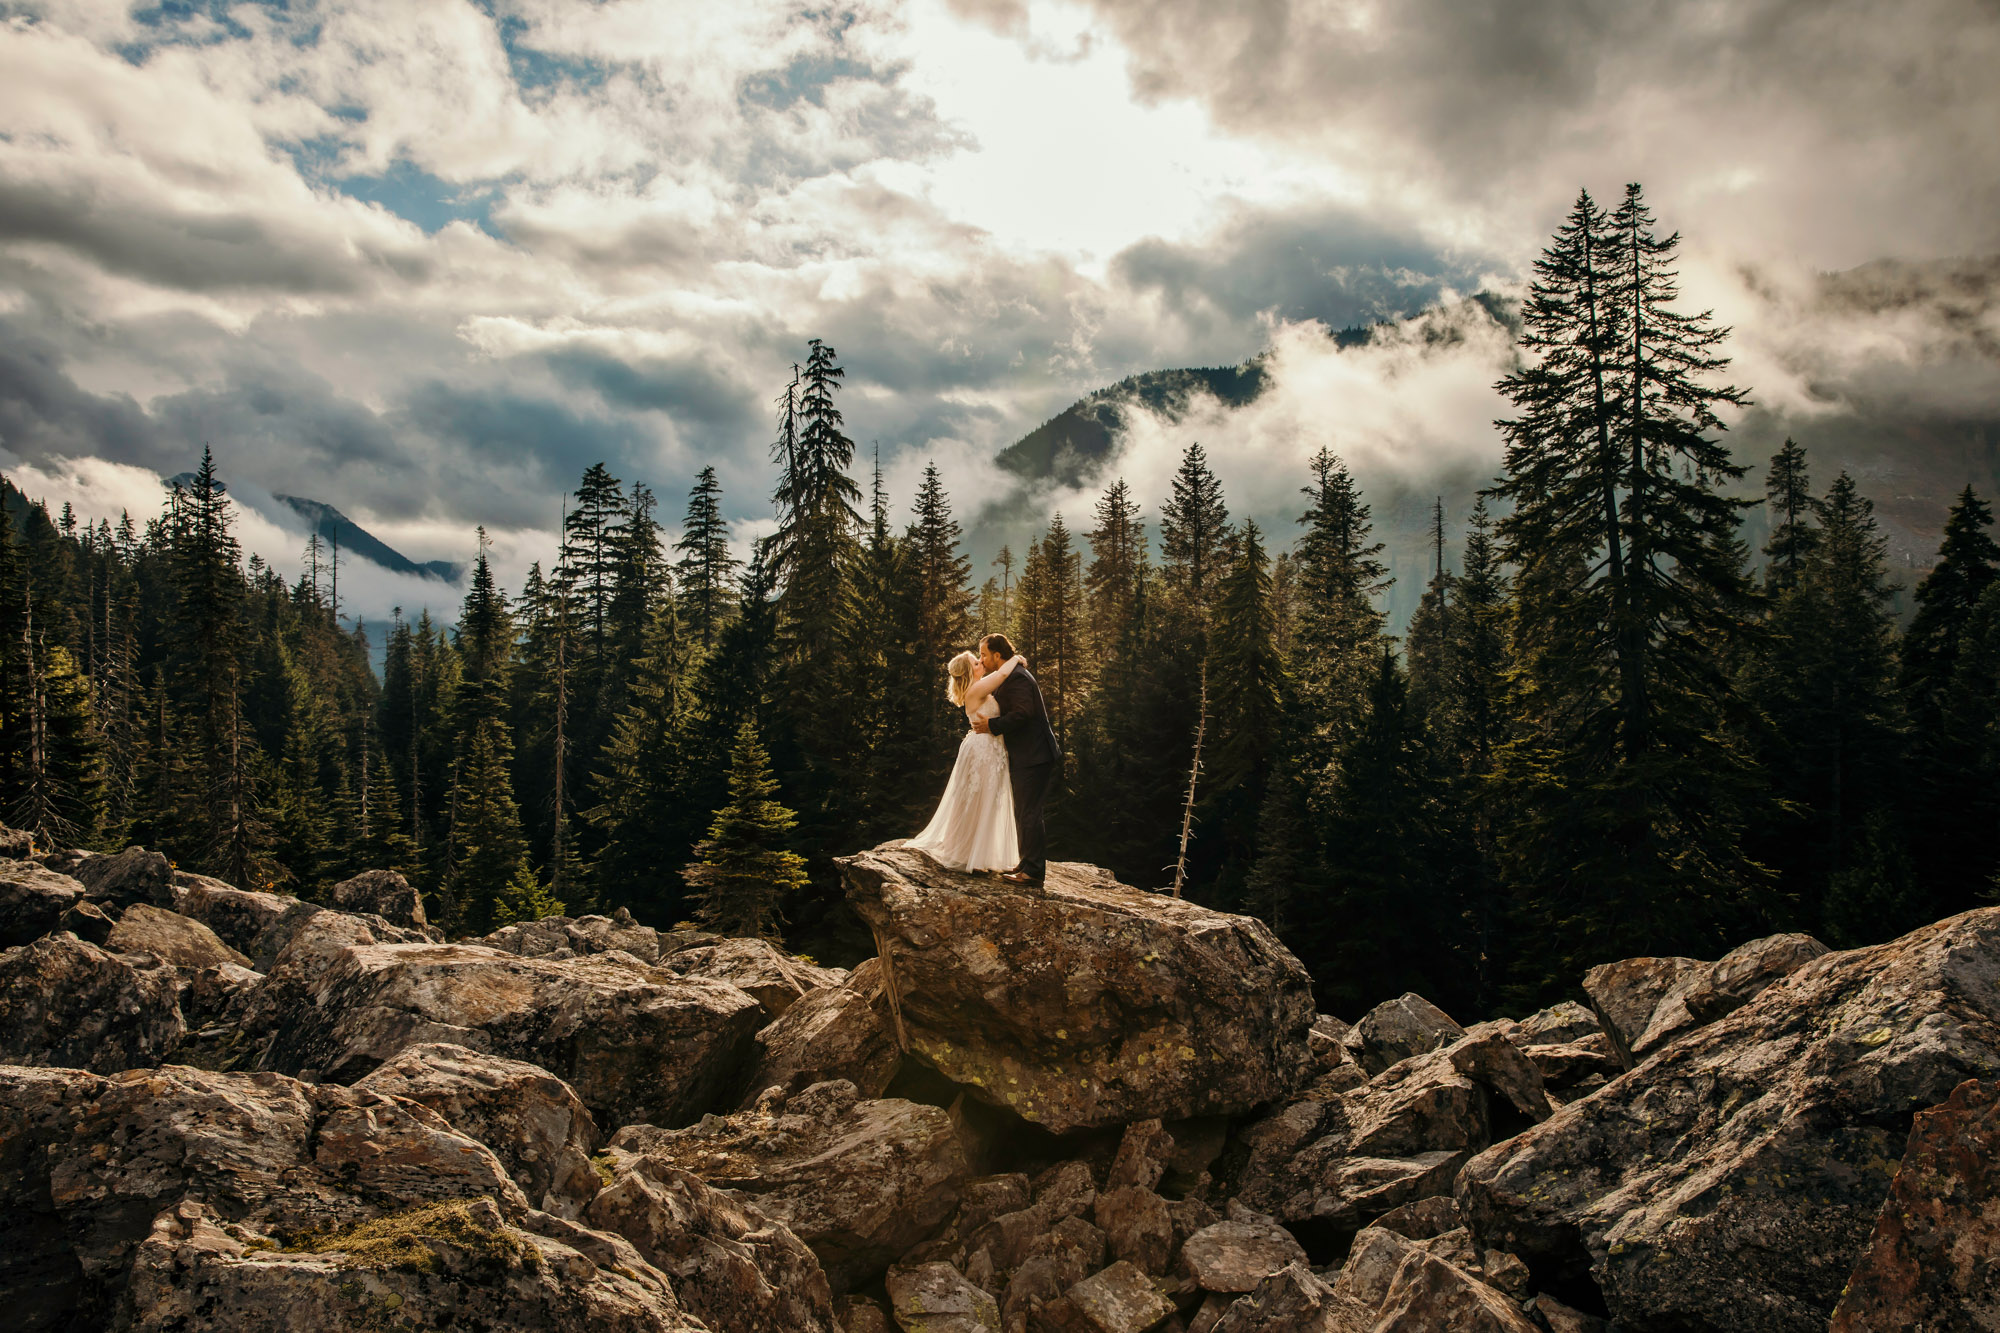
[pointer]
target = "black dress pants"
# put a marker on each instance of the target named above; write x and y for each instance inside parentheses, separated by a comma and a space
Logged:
(1031, 794)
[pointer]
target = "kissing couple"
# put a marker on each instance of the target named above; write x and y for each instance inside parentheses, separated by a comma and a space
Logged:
(990, 817)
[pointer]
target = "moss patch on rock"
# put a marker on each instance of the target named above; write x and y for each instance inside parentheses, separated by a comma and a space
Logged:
(402, 1240)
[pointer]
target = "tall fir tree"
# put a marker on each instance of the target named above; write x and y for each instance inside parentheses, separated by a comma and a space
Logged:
(1634, 792)
(1789, 500)
(707, 568)
(1194, 531)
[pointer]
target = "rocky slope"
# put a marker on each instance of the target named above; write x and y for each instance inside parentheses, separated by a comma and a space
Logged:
(1080, 1110)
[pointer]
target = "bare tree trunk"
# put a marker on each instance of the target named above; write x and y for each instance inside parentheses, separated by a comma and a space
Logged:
(1194, 775)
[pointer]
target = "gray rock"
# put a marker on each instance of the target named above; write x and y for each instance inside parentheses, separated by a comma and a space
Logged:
(1236, 1256)
(1565, 1022)
(532, 1120)
(1397, 1029)
(1640, 1002)
(95, 1163)
(1292, 1300)
(756, 966)
(936, 1298)
(1086, 1003)
(64, 1002)
(1138, 1227)
(87, 921)
(170, 937)
(239, 917)
(1427, 1294)
(1372, 1263)
(15, 844)
(1121, 1299)
(1740, 975)
(33, 899)
(382, 893)
(861, 1182)
(732, 1266)
(1777, 1125)
(463, 1265)
(636, 1044)
(1423, 1219)
(134, 875)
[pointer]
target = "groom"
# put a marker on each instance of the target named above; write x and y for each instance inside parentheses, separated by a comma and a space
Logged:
(1032, 755)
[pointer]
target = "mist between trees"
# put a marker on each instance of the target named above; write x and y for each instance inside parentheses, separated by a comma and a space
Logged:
(1612, 729)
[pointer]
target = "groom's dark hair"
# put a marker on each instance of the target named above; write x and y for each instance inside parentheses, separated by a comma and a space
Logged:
(999, 644)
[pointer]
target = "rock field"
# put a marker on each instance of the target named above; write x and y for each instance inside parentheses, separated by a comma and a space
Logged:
(1078, 1109)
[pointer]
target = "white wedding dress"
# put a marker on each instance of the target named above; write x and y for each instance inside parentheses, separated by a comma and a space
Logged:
(973, 828)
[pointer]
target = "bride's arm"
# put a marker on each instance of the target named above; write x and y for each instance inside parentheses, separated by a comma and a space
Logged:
(986, 684)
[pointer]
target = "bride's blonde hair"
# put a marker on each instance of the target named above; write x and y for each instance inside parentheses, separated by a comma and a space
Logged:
(958, 677)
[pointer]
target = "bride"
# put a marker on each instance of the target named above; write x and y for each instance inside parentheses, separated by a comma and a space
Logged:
(973, 828)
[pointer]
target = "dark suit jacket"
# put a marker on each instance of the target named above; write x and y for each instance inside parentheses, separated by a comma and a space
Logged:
(1023, 721)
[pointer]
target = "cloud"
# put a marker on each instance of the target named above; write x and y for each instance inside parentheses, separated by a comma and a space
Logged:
(1842, 129)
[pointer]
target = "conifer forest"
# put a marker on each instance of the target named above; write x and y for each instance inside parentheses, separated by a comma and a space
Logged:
(1613, 727)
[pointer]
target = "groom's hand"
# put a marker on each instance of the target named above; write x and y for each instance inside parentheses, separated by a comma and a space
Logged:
(979, 725)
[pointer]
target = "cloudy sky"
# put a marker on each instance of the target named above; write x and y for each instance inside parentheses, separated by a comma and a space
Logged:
(427, 259)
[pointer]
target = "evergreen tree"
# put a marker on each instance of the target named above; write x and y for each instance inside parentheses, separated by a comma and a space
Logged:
(1788, 496)
(1339, 631)
(706, 569)
(1956, 787)
(1633, 792)
(643, 815)
(943, 572)
(1823, 679)
(488, 881)
(1194, 530)
(61, 787)
(1051, 618)
(817, 515)
(1117, 567)
(746, 871)
(1247, 677)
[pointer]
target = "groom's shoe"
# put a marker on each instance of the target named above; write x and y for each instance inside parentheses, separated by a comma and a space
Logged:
(1017, 877)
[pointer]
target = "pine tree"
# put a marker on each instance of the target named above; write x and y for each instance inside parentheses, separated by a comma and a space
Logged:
(1194, 530)
(1788, 496)
(746, 871)
(817, 515)
(61, 801)
(706, 569)
(1051, 623)
(1823, 679)
(1633, 793)
(643, 815)
(1247, 677)
(943, 572)
(1956, 788)
(1117, 567)
(591, 555)
(488, 881)
(1339, 631)
(209, 663)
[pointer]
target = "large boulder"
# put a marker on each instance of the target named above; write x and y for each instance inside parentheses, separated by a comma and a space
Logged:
(1732, 1180)
(16, 844)
(532, 1120)
(835, 1032)
(1346, 1159)
(1398, 1029)
(444, 1266)
(861, 1182)
(33, 899)
(240, 918)
(1237, 1255)
(383, 893)
(732, 1266)
(94, 1162)
(170, 937)
(68, 1003)
(1641, 1002)
(1740, 975)
(757, 966)
(936, 1298)
(635, 1043)
(1084, 1003)
(1933, 1261)
(134, 875)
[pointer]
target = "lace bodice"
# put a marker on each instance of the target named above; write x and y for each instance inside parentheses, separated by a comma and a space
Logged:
(989, 707)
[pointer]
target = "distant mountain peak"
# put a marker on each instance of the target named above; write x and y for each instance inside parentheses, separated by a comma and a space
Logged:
(355, 540)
